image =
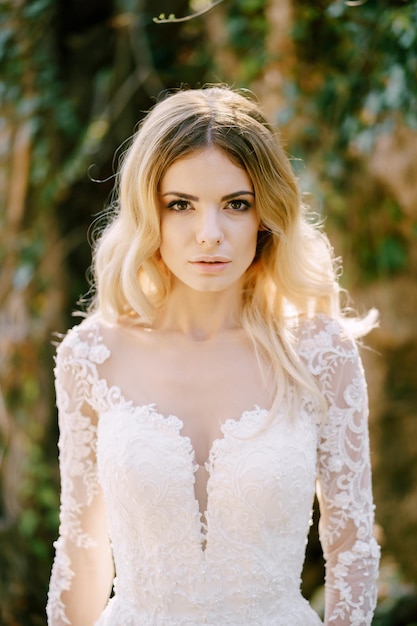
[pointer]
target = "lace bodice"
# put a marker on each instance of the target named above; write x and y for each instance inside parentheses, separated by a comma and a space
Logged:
(128, 473)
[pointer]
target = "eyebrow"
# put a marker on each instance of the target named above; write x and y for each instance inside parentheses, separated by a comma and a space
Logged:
(229, 196)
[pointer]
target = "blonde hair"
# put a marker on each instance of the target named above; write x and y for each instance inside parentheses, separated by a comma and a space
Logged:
(294, 268)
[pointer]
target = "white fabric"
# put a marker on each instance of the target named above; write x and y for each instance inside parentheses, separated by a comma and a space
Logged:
(241, 566)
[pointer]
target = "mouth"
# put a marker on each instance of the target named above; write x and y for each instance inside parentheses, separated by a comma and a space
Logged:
(211, 260)
(210, 264)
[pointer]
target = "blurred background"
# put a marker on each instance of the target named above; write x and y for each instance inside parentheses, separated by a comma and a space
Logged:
(340, 81)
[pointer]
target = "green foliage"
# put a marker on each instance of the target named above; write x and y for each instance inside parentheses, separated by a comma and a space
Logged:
(26, 539)
(40, 517)
(363, 61)
(355, 80)
(248, 27)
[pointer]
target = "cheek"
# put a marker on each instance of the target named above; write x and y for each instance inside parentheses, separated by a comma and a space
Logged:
(169, 234)
(172, 241)
(253, 229)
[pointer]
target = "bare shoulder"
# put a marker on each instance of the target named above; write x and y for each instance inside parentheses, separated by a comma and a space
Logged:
(95, 327)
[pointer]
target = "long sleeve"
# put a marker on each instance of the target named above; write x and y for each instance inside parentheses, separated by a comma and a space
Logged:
(344, 477)
(82, 571)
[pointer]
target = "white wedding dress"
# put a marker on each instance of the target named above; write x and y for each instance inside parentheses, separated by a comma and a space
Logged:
(240, 563)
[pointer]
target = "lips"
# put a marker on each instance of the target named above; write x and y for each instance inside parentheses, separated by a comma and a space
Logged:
(210, 259)
(210, 264)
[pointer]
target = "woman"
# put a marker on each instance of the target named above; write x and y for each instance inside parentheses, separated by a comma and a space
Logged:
(213, 382)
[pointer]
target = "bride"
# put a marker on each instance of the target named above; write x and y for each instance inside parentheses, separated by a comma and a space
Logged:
(213, 387)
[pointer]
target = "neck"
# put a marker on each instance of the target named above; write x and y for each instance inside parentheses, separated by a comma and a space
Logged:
(200, 315)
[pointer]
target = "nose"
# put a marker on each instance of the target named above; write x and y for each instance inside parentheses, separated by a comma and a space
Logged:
(209, 228)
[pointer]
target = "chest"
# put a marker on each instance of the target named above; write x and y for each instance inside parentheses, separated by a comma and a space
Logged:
(258, 467)
(203, 384)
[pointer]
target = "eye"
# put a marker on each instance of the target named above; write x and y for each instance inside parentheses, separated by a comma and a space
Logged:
(239, 205)
(179, 205)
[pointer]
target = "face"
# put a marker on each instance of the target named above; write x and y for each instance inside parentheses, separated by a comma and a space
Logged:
(209, 223)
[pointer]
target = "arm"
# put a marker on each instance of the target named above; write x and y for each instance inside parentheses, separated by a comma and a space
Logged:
(83, 570)
(344, 484)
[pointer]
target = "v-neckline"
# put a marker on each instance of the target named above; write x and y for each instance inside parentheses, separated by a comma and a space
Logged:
(225, 427)
(177, 425)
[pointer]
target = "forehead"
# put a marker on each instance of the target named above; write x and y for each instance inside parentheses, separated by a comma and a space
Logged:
(206, 168)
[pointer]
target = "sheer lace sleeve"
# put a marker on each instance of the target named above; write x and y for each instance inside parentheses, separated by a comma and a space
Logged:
(344, 476)
(82, 571)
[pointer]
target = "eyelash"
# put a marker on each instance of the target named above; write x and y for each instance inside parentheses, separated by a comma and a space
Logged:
(244, 205)
(174, 205)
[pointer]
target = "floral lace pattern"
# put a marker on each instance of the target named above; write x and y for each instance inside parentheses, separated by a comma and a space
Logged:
(351, 552)
(242, 566)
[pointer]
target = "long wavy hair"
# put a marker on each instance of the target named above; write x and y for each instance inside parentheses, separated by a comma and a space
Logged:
(294, 274)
